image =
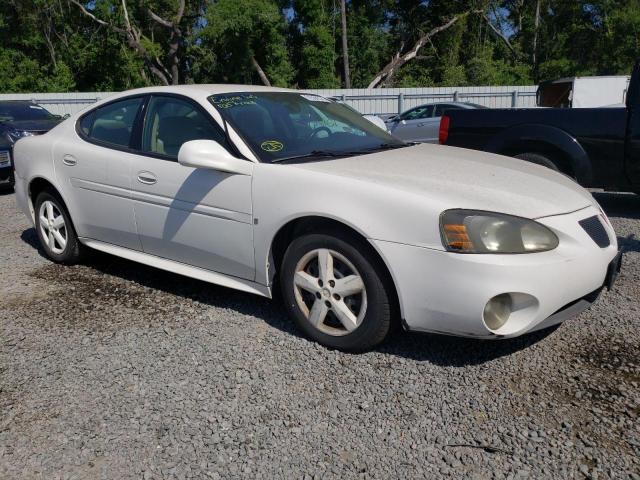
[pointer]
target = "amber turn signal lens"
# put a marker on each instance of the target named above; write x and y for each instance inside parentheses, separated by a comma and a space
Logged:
(457, 237)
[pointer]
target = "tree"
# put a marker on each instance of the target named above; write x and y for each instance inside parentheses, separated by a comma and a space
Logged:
(313, 36)
(133, 27)
(345, 43)
(401, 57)
(248, 40)
(89, 45)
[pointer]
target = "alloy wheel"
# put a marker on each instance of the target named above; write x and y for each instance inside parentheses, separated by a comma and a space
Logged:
(330, 292)
(53, 227)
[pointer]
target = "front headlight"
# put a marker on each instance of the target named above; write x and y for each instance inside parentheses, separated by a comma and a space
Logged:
(470, 231)
(15, 135)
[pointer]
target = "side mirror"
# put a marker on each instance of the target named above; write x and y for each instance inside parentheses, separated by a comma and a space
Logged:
(211, 155)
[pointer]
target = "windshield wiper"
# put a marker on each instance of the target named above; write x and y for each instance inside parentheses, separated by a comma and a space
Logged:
(380, 147)
(388, 146)
(313, 154)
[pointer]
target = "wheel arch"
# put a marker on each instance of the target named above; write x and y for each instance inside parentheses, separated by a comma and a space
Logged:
(549, 140)
(301, 225)
(39, 184)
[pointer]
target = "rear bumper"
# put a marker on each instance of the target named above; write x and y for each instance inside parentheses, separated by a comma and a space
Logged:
(447, 292)
(22, 199)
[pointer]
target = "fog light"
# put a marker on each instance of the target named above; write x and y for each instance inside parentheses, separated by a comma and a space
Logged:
(497, 311)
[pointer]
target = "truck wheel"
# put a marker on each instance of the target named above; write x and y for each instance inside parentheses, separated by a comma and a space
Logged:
(538, 159)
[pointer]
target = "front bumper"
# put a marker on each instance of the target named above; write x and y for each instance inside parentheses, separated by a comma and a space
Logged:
(447, 292)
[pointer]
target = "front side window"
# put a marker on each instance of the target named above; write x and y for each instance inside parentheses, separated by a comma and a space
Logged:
(171, 122)
(113, 123)
(286, 125)
(418, 113)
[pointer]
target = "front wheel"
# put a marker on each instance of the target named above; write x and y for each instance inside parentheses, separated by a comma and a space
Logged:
(334, 290)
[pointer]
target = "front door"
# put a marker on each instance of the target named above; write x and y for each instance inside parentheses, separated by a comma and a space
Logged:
(94, 174)
(411, 124)
(199, 217)
(632, 148)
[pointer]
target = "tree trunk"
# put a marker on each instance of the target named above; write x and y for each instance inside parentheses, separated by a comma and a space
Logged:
(261, 74)
(399, 59)
(345, 46)
(536, 24)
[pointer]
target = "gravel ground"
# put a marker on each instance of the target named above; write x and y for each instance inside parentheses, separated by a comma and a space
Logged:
(117, 370)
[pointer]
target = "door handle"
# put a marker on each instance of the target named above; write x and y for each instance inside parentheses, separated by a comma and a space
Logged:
(422, 124)
(147, 178)
(69, 160)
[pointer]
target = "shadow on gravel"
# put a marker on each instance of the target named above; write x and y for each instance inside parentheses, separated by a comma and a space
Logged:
(625, 205)
(629, 243)
(456, 351)
(437, 349)
(30, 237)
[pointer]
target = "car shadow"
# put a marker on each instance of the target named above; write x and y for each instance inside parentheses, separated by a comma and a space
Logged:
(629, 243)
(624, 205)
(437, 349)
(6, 190)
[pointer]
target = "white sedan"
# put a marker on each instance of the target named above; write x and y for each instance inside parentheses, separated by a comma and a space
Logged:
(246, 187)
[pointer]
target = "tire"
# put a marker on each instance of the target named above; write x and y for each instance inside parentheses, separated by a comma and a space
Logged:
(538, 159)
(49, 206)
(317, 301)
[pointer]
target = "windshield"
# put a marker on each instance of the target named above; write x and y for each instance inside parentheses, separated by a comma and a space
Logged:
(16, 111)
(280, 126)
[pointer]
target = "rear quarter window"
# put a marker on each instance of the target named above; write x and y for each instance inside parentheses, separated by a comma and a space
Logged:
(111, 124)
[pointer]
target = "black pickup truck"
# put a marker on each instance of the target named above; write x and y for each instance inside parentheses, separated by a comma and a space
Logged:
(599, 147)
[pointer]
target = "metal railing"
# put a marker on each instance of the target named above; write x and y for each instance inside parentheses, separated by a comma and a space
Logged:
(455, 96)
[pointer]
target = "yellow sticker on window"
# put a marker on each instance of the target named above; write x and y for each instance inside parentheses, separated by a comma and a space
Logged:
(271, 146)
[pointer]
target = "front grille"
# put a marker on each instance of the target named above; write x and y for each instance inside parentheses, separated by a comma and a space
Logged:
(5, 158)
(594, 228)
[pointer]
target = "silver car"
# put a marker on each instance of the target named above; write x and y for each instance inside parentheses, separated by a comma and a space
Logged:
(421, 124)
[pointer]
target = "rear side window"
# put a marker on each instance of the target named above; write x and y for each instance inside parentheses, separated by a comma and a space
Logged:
(440, 109)
(113, 123)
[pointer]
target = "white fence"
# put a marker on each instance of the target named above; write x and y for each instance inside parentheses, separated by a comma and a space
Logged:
(395, 100)
(373, 101)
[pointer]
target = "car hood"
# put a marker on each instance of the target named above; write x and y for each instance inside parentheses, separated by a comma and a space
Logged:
(33, 125)
(459, 178)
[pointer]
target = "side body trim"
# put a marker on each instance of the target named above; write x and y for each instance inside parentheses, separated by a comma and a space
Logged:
(162, 200)
(180, 268)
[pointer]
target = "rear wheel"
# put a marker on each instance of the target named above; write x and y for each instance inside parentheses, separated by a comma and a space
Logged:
(334, 292)
(55, 230)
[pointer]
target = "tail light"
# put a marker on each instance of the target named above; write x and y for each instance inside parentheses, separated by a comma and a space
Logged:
(443, 133)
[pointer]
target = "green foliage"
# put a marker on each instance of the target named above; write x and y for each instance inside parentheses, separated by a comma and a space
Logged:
(238, 30)
(52, 45)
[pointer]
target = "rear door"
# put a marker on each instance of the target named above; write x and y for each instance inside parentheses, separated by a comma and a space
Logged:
(632, 145)
(95, 172)
(430, 126)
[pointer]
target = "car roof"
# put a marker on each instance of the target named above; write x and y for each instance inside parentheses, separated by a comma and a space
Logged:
(207, 88)
(198, 91)
(18, 102)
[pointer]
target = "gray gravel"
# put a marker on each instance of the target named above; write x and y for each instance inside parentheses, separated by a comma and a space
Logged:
(116, 370)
